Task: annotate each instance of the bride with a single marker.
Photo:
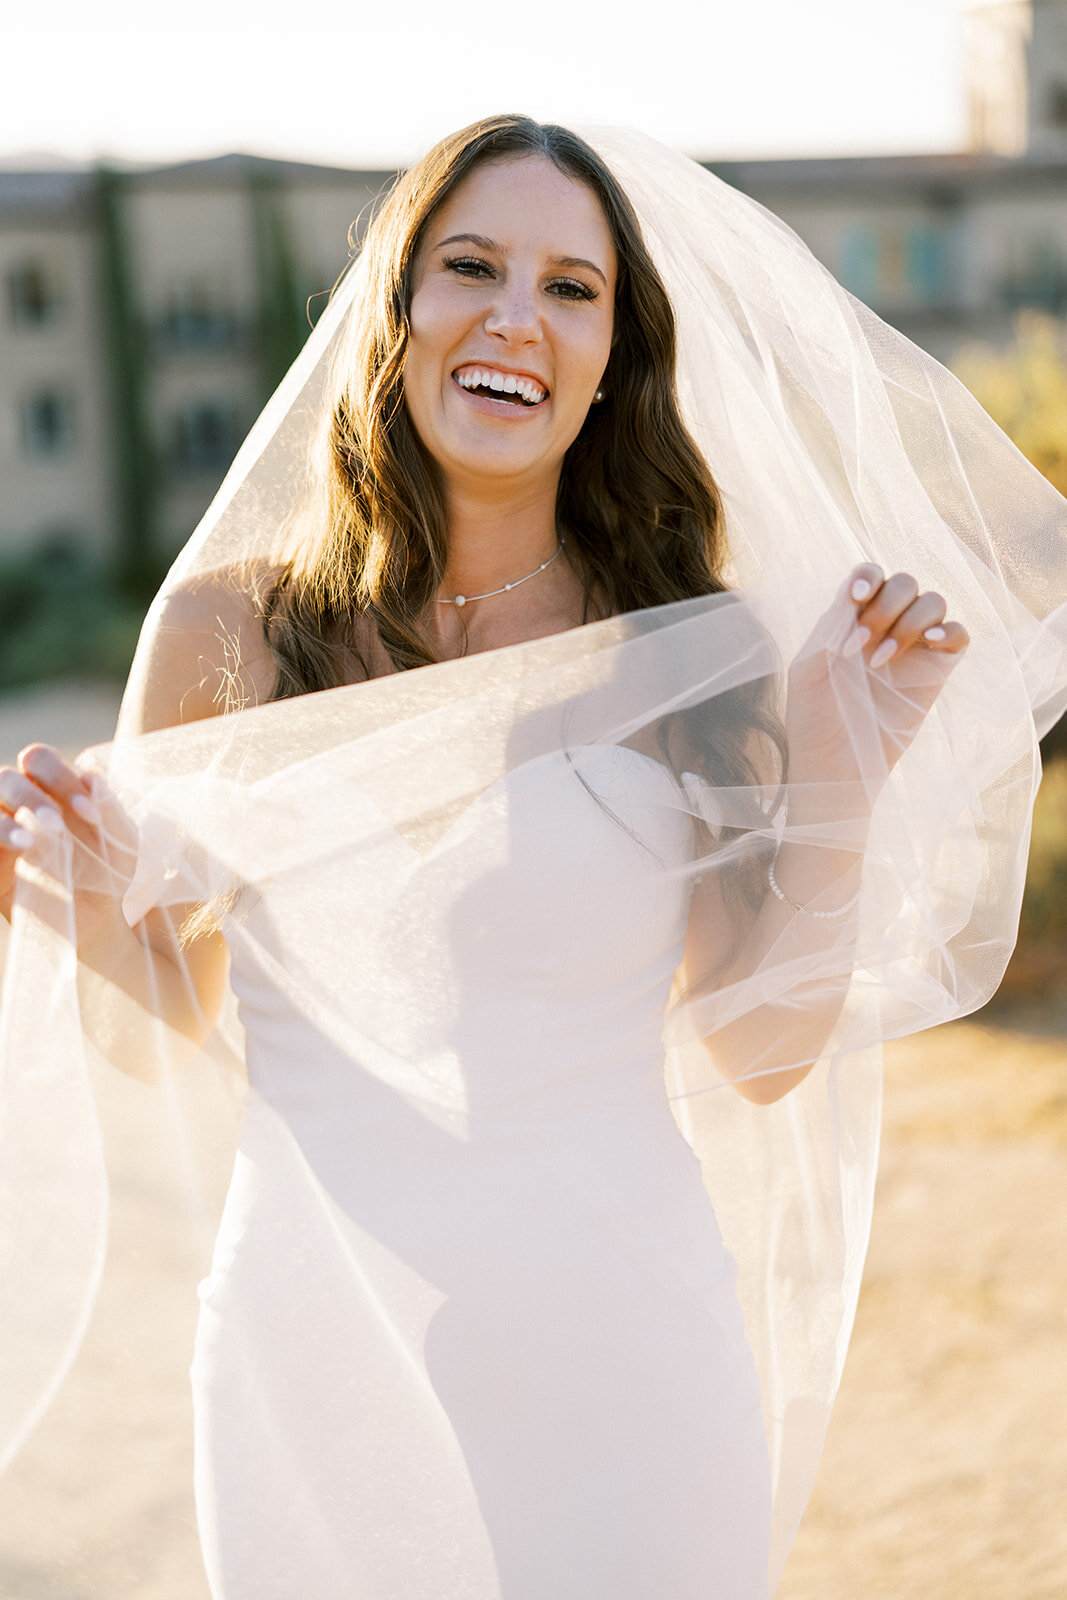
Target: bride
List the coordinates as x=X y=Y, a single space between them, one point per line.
x=477 y=781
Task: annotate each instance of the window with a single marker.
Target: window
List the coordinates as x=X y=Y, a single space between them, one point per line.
x=47 y=424
x=1037 y=275
x=926 y=264
x=195 y=318
x=859 y=268
x=204 y=437
x=32 y=294
x=896 y=266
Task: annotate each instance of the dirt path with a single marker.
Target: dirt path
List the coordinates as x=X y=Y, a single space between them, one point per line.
x=945 y=1472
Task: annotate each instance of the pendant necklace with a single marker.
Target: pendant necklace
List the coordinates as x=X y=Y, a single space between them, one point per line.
x=465 y=599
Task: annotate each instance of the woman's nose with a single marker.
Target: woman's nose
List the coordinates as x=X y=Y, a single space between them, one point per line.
x=514 y=314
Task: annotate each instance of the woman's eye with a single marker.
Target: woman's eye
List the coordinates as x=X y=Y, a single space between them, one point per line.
x=572 y=289
x=560 y=288
x=469 y=267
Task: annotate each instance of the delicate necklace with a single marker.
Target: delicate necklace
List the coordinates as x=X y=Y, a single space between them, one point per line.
x=465 y=599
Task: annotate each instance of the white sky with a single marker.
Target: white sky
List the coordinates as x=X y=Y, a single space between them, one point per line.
x=374 y=84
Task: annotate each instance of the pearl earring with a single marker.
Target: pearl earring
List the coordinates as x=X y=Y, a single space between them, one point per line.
x=598 y=396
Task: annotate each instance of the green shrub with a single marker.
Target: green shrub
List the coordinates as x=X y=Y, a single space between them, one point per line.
x=1024 y=388
x=63 y=615
x=1044 y=914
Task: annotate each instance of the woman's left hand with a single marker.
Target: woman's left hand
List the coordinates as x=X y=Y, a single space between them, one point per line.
x=909 y=647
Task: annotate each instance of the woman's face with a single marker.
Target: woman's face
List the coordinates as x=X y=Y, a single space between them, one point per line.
x=511 y=323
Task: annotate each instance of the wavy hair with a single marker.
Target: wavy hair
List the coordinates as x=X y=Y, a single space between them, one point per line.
x=640 y=510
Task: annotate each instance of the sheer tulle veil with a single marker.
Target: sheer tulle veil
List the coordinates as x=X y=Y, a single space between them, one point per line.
x=834 y=441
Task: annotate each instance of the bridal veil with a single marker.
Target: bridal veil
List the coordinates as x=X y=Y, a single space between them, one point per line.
x=834 y=441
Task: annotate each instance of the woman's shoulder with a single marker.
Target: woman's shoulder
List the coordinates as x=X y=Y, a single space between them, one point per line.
x=202 y=651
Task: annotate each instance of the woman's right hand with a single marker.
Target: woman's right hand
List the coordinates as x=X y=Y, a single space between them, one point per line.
x=41 y=790
x=146 y=965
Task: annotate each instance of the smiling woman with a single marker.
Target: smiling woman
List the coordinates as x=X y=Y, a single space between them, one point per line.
x=513 y=302
x=517 y=256
x=561 y=963
x=505 y=356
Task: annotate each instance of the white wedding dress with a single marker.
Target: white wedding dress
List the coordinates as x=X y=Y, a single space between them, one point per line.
x=474 y=1329
x=496 y=1352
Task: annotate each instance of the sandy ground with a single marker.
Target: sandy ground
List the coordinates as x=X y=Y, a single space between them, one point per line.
x=67 y=715
x=945 y=1472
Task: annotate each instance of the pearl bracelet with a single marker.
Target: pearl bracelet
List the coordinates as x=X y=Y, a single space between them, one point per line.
x=804 y=910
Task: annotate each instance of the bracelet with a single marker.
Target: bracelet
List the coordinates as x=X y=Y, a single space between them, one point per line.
x=804 y=910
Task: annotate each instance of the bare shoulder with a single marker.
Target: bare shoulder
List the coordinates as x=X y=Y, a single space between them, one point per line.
x=202 y=652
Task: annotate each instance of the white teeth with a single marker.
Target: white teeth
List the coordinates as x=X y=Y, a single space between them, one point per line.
x=501 y=383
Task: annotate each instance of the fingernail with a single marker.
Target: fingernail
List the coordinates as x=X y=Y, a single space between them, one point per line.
x=46 y=817
x=856 y=641
x=19 y=839
x=935 y=635
x=860 y=589
x=885 y=652
x=83 y=807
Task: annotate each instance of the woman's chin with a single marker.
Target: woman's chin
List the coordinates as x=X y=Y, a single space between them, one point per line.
x=498 y=462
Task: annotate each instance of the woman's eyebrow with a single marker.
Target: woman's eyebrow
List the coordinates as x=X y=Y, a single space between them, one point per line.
x=468 y=238
x=491 y=245
x=579 y=261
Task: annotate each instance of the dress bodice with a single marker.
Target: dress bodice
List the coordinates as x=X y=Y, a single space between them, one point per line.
x=527 y=951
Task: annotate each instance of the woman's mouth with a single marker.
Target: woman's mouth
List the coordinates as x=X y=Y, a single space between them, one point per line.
x=507 y=388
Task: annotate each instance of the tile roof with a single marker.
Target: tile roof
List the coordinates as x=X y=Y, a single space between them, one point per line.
x=65 y=191
x=56 y=193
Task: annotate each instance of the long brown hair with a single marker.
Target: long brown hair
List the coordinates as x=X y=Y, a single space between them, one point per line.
x=639 y=508
x=640 y=511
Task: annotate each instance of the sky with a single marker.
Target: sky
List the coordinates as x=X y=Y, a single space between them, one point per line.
x=361 y=84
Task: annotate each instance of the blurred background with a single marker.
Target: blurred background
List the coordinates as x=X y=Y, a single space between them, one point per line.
x=149 y=306
x=176 y=199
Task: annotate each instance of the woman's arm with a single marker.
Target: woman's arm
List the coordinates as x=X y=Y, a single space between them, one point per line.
x=772 y=1046
x=150 y=991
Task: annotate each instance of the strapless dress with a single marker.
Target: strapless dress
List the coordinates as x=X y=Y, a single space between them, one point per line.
x=471 y=1331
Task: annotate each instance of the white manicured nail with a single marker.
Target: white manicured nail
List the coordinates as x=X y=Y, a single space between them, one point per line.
x=856 y=641
x=860 y=589
x=19 y=839
x=46 y=817
x=935 y=635
x=885 y=652
x=83 y=807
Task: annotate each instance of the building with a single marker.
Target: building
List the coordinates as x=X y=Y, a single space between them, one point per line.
x=949 y=247
x=147 y=314
x=56 y=431
x=146 y=317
